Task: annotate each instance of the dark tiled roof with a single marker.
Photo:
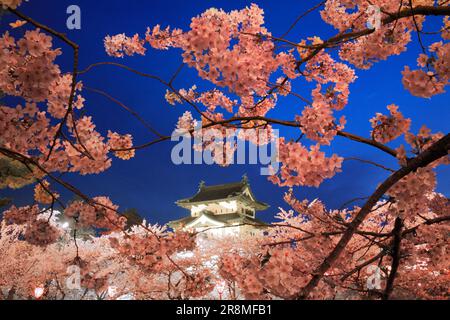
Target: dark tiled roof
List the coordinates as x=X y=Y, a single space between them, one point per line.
x=222 y=191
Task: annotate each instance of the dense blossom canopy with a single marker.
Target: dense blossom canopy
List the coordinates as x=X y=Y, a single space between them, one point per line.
x=312 y=251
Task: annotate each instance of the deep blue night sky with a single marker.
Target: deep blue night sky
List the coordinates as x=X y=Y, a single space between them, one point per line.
x=150 y=182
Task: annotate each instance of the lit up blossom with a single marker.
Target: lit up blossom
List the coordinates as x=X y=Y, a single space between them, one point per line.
x=28 y=70
x=41 y=233
x=27 y=66
x=18 y=24
x=317 y=121
x=13 y=4
x=231 y=268
x=186 y=122
x=120 y=45
x=335 y=13
x=411 y=193
x=190 y=94
x=95 y=144
x=246 y=63
x=271 y=272
x=387 y=128
x=211 y=99
x=172 y=98
x=236 y=53
x=283 y=89
x=214 y=98
x=300 y=166
x=423 y=140
x=331 y=93
x=57 y=101
x=43 y=194
x=151 y=251
x=324 y=69
x=163 y=38
x=305 y=209
x=117 y=141
x=440 y=205
x=102 y=214
x=38 y=230
x=225 y=49
x=381 y=43
x=421 y=83
x=24 y=128
x=198 y=285
x=446 y=29
x=21 y=215
x=436 y=76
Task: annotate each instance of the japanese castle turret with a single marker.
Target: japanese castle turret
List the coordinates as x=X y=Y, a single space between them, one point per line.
x=222 y=210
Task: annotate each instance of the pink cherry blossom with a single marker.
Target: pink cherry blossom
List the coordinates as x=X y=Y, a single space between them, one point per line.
x=387 y=128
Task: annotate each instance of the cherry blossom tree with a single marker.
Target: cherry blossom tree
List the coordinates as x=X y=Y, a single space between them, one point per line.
x=314 y=252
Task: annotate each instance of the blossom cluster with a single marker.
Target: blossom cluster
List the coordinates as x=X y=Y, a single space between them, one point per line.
x=446 y=29
x=163 y=39
x=423 y=140
x=151 y=251
x=198 y=285
x=97 y=160
x=186 y=122
x=117 y=141
x=436 y=76
x=274 y=272
x=324 y=69
x=43 y=194
x=28 y=70
x=388 y=128
x=172 y=98
x=380 y=43
x=101 y=214
x=317 y=121
x=120 y=45
x=13 y=4
x=300 y=166
x=27 y=66
x=232 y=50
x=411 y=193
x=38 y=230
x=215 y=98
x=21 y=215
x=24 y=128
x=41 y=233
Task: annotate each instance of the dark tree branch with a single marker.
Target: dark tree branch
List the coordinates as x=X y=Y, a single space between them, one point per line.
x=134 y=113
x=436 y=151
x=398 y=225
x=370 y=162
x=301 y=16
x=405 y=13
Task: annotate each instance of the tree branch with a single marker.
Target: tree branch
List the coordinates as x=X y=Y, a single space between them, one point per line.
x=438 y=150
x=395 y=257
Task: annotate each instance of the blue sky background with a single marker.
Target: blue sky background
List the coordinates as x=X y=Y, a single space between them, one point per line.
x=150 y=182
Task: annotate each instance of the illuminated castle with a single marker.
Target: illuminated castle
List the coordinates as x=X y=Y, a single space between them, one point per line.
x=222 y=210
